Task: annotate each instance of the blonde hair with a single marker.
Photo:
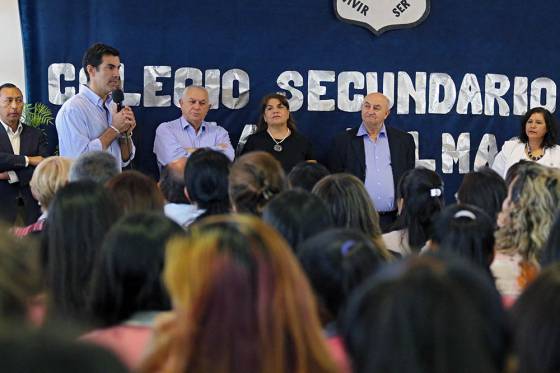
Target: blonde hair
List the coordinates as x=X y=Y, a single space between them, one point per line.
x=49 y=176
x=535 y=195
x=242 y=304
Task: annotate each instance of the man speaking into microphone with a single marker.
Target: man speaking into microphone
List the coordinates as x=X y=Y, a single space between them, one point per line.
x=93 y=119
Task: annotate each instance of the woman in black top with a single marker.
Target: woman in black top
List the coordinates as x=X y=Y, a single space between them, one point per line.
x=277 y=134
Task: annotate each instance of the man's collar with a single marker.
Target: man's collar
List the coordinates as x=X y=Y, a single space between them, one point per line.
x=362 y=130
x=9 y=129
x=94 y=97
x=185 y=123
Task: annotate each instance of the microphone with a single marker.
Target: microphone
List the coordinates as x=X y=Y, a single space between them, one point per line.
x=118 y=98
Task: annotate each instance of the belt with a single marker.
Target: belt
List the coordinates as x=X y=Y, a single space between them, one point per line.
x=387 y=213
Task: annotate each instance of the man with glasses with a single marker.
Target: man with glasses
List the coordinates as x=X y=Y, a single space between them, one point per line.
x=182 y=136
x=21 y=149
x=90 y=121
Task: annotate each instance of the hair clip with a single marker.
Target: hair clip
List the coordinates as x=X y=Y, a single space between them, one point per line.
x=346 y=246
x=464 y=214
x=435 y=192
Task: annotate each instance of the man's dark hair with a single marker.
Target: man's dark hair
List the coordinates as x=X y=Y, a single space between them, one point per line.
x=8 y=85
x=94 y=55
x=172 y=185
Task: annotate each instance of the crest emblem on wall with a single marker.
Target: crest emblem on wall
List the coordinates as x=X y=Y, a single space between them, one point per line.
x=382 y=15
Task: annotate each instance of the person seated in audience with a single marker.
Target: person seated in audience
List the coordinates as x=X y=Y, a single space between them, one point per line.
x=535 y=324
x=241 y=303
x=336 y=262
x=485 y=189
x=419 y=199
x=524 y=225
x=127 y=291
x=206 y=182
x=172 y=186
x=21 y=284
x=297 y=215
x=350 y=205
x=254 y=179
x=277 y=134
x=425 y=315
x=79 y=217
x=305 y=175
x=49 y=176
x=47 y=352
x=97 y=166
x=536 y=142
x=136 y=192
x=466 y=231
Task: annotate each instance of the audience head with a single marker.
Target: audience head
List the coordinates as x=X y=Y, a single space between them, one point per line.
x=237 y=290
x=536 y=324
x=336 y=262
x=305 y=175
x=529 y=210
x=297 y=215
x=79 y=217
x=128 y=277
x=485 y=189
x=136 y=192
x=420 y=316
x=515 y=169
x=255 y=178
x=420 y=197
x=48 y=177
x=466 y=231
x=349 y=203
x=20 y=278
x=206 y=181
x=551 y=250
x=272 y=100
x=172 y=181
x=96 y=166
x=540 y=114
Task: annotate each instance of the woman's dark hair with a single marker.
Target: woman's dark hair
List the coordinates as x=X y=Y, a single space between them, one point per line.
x=516 y=169
x=128 y=277
x=297 y=215
x=421 y=191
x=136 y=192
x=79 y=217
x=305 y=175
x=420 y=317
x=551 y=249
x=536 y=324
x=336 y=262
x=551 y=127
x=261 y=124
x=466 y=231
x=206 y=181
x=485 y=189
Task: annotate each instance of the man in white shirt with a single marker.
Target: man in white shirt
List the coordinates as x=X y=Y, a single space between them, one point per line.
x=21 y=149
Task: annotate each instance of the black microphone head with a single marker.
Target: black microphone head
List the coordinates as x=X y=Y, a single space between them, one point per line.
x=118 y=96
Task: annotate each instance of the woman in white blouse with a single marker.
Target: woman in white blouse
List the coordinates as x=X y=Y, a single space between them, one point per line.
x=536 y=142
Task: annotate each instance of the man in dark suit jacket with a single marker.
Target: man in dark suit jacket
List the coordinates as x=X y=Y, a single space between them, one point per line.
x=21 y=149
x=376 y=154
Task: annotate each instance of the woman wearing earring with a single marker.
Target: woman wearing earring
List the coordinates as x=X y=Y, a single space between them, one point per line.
x=277 y=134
x=536 y=142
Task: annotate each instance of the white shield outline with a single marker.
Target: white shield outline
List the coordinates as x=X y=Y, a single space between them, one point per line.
x=386 y=28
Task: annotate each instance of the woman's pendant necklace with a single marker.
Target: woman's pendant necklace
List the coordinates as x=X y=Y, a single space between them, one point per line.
x=277 y=147
x=530 y=154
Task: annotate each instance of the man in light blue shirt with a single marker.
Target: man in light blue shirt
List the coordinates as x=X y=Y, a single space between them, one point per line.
x=182 y=136
x=89 y=121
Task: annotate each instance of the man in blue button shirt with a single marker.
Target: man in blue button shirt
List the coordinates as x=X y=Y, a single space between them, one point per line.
x=90 y=121
x=377 y=154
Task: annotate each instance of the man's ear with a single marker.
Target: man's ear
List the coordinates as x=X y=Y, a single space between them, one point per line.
x=91 y=70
